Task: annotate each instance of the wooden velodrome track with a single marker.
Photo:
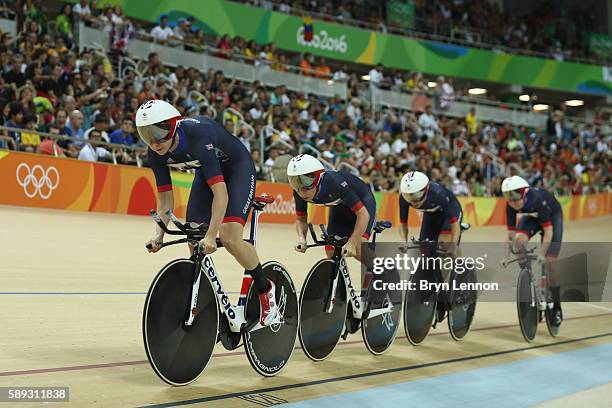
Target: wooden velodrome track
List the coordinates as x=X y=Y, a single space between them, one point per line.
x=72 y=288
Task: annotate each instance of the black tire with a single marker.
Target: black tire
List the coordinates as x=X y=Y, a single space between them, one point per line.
x=270 y=348
x=319 y=331
x=553 y=330
x=526 y=306
x=179 y=354
x=379 y=332
x=462 y=305
x=419 y=308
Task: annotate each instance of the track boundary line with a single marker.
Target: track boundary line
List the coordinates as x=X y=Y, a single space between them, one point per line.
x=372 y=373
x=235 y=353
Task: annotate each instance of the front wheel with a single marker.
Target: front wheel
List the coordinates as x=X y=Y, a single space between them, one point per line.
x=178 y=353
x=379 y=331
x=462 y=304
x=320 y=331
x=526 y=306
x=270 y=348
x=419 y=306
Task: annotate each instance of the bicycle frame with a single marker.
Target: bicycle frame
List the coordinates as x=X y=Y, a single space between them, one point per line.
x=357 y=302
x=236 y=315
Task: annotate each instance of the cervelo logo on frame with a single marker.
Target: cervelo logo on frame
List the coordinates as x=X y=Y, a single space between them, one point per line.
x=323 y=41
x=37 y=181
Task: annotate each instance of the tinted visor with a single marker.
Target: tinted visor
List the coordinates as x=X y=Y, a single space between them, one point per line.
x=414 y=197
x=157 y=132
x=513 y=195
x=304 y=181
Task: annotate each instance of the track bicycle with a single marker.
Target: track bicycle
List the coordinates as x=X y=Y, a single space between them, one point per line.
x=421 y=304
x=325 y=313
x=533 y=296
x=187 y=311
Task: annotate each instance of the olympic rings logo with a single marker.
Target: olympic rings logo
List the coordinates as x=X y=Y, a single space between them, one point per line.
x=37 y=181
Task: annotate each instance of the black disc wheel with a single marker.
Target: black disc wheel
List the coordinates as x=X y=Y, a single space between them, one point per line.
x=270 y=348
x=379 y=331
x=526 y=306
x=419 y=306
x=462 y=304
x=319 y=330
x=179 y=353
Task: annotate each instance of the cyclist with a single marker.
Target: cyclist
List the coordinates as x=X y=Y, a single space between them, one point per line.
x=542 y=213
x=222 y=190
x=441 y=219
x=353 y=207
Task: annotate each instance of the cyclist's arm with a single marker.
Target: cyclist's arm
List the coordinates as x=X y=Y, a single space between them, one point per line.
x=455 y=231
x=404 y=210
x=546 y=239
x=301 y=225
x=165 y=198
x=361 y=223
x=511 y=227
x=165 y=203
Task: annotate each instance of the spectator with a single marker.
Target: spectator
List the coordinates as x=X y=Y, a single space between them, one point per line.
x=162 y=33
x=15 y=121
x=16 y=73
x=63 y=23
x=305 y=64
x=471 y=121
x=101 y=126
x=92 y=153
x=29 y=140
x=322 y=71
x=376 y=75
x=125 y=134
x=82 y=10
x=181 y=31
x=428 y=122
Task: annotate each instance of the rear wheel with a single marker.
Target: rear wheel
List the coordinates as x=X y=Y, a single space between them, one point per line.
x=319 y=331
x=419 y=307
x=379 y=331
x=178 y=353
x=270 y=348
x=526 y=306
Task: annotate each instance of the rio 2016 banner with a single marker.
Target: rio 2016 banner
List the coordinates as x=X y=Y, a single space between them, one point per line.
x=367 y=47
x=47 y=182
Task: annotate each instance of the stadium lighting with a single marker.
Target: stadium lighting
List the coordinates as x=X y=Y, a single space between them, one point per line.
x=524 y=98
x=477 y=91
x=540 y=107
x=365 y=77
x=330 y=82
x=574 y=102
x=431 y=84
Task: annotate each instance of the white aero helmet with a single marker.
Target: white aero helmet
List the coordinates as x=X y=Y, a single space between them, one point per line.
x=156 y=121
x=514 y=188
x=413 y=186
x=304 y=172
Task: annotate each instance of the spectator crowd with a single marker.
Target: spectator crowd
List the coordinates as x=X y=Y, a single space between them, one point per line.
x=47 y=85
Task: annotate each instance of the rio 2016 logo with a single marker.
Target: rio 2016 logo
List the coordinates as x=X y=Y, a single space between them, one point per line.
x=37 y=181
x=323 y=41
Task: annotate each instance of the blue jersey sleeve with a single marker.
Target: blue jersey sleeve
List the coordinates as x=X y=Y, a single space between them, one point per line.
x=404 y=210
x=160 y=171
x=510 y=218
x=301 y=206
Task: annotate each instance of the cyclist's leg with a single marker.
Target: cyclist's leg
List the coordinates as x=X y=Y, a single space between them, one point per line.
x=341 y=223
x=200 y=200
x=552 y=253
x=431 y=227
x=241 y=191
